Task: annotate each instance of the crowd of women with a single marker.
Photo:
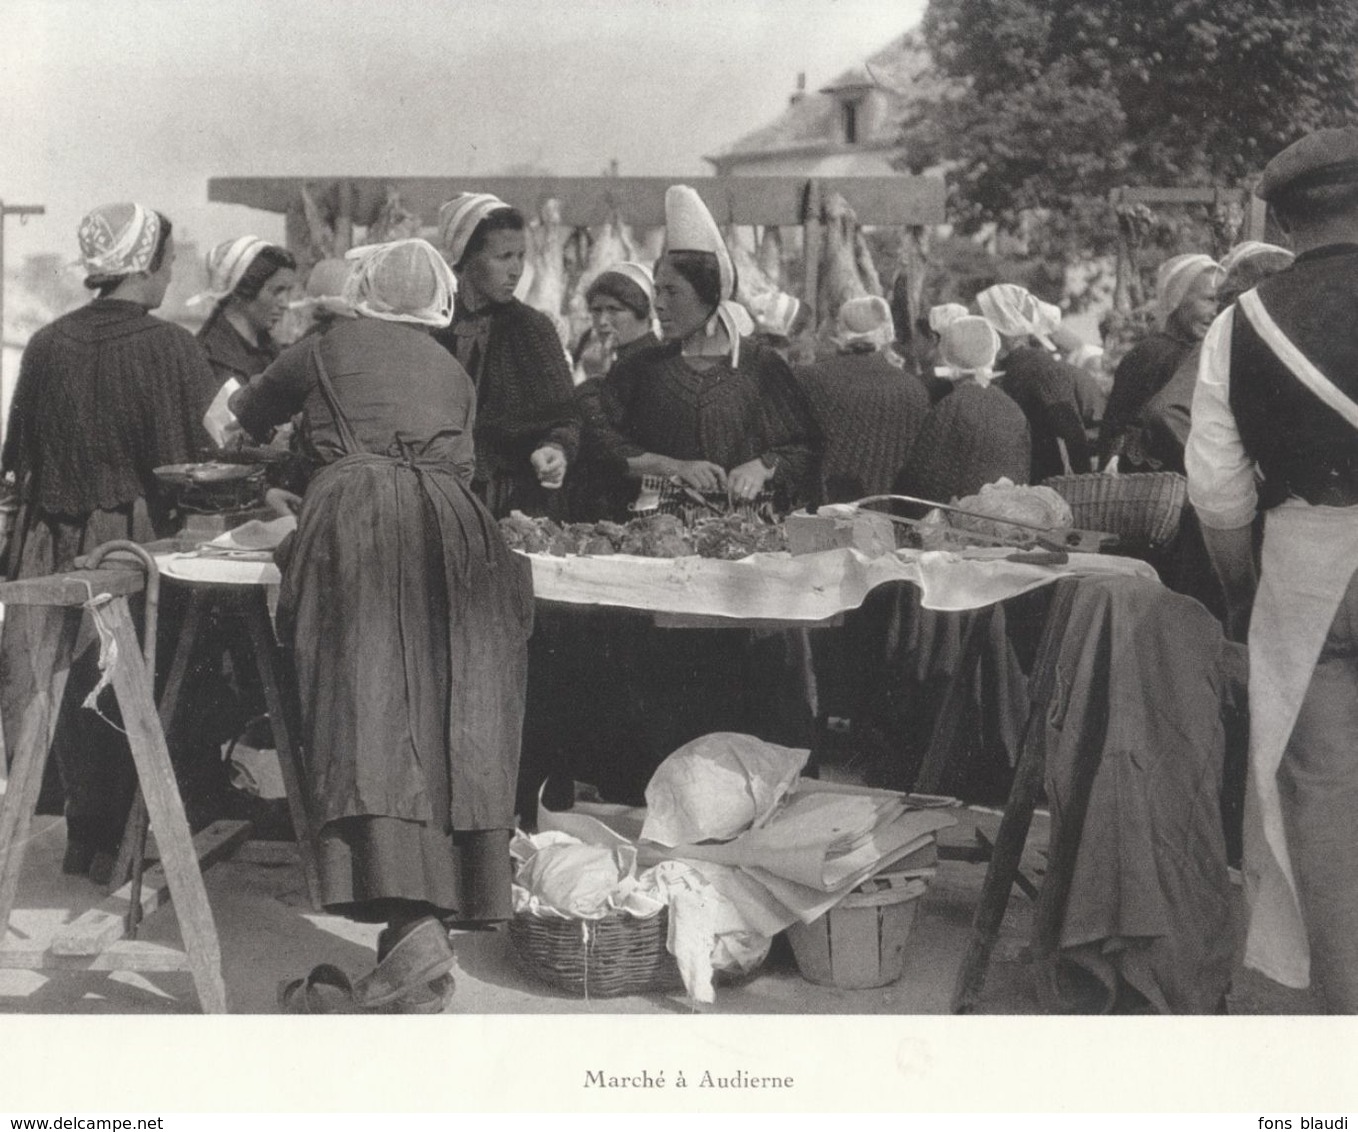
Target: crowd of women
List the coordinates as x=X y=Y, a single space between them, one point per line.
x=425 y=403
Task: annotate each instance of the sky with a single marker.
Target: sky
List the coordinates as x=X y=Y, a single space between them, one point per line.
x=103 y=100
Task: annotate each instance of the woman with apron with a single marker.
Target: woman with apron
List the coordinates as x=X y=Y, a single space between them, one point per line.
x=409 y=620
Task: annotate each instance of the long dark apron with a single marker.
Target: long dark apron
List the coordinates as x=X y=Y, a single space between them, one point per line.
x=409 y=620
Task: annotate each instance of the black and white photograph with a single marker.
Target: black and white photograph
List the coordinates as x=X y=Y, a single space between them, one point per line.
x=822 y=530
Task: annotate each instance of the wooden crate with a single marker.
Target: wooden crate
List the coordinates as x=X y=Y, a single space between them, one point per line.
x=861 y=941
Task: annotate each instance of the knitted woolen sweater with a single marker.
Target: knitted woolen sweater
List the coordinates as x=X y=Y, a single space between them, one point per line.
x=1142 y=373
x=869 y=412
x=106 y=394
x=970 y=438
x=524 y=393
x=656 y=402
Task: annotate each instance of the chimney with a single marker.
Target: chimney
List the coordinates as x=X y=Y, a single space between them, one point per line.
x=800 y=92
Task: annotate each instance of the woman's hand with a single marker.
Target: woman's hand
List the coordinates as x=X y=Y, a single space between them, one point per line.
x=701 y=474
x=748 y=480
x=282 y=502
x=549 y=463
x=233 y=436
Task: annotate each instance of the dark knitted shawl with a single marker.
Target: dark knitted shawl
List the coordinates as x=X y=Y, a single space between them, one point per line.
x=524 y=393
x=655 y=402
x=1044 y=388
x=1156 y=439
x=232 y=355
x=970 y=438
x=105 y=394
x=869 y=412
x=1143 y=372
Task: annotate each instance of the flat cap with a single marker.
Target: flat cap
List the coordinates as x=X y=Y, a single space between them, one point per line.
x=1326 y=157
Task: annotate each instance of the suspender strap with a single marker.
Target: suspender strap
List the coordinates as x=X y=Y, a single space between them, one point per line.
x=1298 y=364
x=348 y=438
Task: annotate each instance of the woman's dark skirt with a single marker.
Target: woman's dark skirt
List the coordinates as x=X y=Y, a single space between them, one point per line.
x=409 y=621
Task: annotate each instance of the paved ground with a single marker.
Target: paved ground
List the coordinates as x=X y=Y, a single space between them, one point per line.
x=269 y=934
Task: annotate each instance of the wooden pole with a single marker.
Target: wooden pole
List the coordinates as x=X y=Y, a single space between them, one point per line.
x=811 y=252
x=1256 y=219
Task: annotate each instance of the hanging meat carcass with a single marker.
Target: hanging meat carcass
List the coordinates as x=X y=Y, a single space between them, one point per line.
x=839 y=279
x=543 y=285
x=310 y=234
x=650 y=247
x=393 y=221
x=752 y=285
x=867 y=270
x=770 y=256
x=846 y=261
x=313 y=230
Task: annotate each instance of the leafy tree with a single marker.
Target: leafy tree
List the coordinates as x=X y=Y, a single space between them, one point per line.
x=1053 y=103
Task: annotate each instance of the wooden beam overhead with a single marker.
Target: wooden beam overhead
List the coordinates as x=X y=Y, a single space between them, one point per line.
x=590 y=201
x=1150 y=195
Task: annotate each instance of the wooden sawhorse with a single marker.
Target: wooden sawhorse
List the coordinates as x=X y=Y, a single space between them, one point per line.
x=47 y=638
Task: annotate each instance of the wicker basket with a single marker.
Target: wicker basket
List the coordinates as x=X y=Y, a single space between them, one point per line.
x=617 y=955
x=1143 y=508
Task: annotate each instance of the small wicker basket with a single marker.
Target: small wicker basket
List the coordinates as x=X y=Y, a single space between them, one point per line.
x=617 y=955
x=1143 y=508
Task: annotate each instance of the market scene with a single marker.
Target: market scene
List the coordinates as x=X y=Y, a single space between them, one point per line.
x=888 y=551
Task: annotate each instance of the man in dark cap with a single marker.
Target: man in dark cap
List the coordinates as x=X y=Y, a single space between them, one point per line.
x=1275 y=430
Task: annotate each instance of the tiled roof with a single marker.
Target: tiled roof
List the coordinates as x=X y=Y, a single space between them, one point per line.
x=898 y=70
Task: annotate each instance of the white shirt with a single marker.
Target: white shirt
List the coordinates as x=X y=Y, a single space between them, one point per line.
x=1308 y=557
x=1222 y=478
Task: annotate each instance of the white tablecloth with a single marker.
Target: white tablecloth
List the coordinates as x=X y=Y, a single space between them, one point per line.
x=808 y=587
x=189 y=567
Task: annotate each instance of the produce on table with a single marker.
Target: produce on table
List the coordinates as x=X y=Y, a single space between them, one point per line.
x=727 y=537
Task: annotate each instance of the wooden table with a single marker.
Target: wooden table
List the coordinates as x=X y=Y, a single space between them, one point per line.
x=244 y=592
x=1003 y=854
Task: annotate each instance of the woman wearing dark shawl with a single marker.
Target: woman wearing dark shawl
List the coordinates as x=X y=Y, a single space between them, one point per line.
x=249 y=286
x=723 y=415
x=715 y=410
x=976 y=433
x=1042 y=385
x=106 y=394
x=867 y=406
x=1186 y=288
x=407 y=614
x=527 y=426
x=621 y=310
x=1156 y=438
